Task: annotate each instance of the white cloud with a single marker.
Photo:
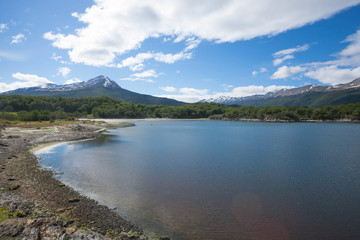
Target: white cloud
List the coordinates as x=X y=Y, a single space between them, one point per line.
x=344 y=69
x=168 y=89
x=136 y=63
x=354 y=47
x=3 y=27
x=195 y=95
x=192 y=43
x=193 y=91
x=18 y=38
x=146 y=74
x=287 y=54
x=279 y=61
x=285 y=72
x=135 y=79
x=291 y=50
x=262 y=70
x=334 y=75
x=27 y=80
x=31 y=78
x=172 y=58
x=114 y=27
x=72 y=81
x=63 y=71
x=55 y=57
x=227 y=86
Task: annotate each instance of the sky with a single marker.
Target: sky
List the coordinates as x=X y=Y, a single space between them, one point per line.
x=183 y=49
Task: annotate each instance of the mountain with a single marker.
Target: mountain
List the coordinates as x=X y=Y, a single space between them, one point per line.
x=97 y=87
x=310 y=95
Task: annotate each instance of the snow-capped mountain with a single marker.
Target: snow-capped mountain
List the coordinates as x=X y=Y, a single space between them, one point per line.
x=97 y=87
x=100 y=81
x=285 y=93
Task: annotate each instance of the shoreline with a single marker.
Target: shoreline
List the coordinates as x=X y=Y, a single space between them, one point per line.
x=34 y=204
x=115 y=120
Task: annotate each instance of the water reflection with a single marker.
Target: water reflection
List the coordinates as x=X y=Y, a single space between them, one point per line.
x=224 y=180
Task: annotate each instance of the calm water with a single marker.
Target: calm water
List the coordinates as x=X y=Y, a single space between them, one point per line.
x=223 y=180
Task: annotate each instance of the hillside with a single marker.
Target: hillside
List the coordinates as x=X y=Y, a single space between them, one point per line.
x=310 y=95
x=312 y=99
x=100 y=86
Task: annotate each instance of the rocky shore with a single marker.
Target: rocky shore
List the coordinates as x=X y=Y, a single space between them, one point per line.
x=34 y=205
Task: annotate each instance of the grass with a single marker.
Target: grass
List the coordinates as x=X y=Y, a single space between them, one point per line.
x=5 y=214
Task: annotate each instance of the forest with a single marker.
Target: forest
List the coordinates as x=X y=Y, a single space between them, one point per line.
x=27 y=108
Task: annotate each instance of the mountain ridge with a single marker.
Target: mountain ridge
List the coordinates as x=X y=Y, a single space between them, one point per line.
x=298 y=96
x=99 y=86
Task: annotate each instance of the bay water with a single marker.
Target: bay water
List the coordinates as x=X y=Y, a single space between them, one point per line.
x=222 y=180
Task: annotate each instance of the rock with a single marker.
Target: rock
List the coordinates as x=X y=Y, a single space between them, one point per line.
x=16 y=230
x=164 y=238
x=68 y=223
x=20 y=214
x=14 y=187
x=70 y=230
x=11 y=179
x=74 y=200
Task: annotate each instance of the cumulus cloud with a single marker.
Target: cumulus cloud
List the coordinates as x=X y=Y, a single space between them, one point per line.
x=18 y=38
x=195 y=95
x=354 y=46
x=3 y=27
x=168 y=89
x=350 y=56
x=27 y=80
x=72 y=81
x=63 y=71
x=113 y=27
x=136 y=79
x=334 y=75
x=285 y=72
x=143 y=76
x=193 y=91
x=146 y=74
x=31 y=78
x=342 y=70
x=137 y=63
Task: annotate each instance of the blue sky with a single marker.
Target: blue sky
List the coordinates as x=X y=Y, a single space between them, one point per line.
x=188 y=50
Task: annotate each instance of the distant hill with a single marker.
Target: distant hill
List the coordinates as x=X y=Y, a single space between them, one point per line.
x=311 y=96
x=97 y=87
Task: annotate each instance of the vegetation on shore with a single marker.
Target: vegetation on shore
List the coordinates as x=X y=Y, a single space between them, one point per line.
x=27 y=108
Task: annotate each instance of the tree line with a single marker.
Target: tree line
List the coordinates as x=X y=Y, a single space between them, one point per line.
x=28 y=108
